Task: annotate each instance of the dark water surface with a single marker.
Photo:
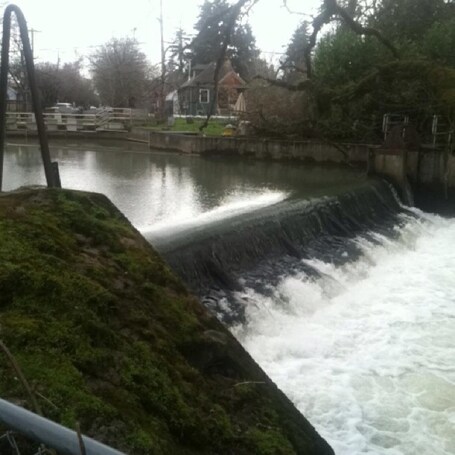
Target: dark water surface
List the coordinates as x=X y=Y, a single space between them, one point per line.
x=159 y=190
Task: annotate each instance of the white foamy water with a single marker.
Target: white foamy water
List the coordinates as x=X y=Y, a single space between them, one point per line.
x=235 y=203
x=367 y=352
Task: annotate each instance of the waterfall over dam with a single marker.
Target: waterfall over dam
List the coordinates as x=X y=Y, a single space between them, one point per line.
x=255 y=249
x=347 y=303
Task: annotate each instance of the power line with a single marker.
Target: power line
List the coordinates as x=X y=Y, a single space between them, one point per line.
x=77 y=48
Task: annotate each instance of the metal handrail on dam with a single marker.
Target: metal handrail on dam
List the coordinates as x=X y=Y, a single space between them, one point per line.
x=49 y=433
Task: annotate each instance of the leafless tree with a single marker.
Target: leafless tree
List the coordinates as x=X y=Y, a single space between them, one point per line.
x=120 y=72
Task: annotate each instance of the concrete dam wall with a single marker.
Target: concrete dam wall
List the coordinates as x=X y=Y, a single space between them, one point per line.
x=255 y=249
x=257 y=148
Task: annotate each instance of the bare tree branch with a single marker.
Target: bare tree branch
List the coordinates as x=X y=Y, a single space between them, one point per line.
x=290 y=11
x=313 y=130
x=301 y=86
x=318 y=22
x=361 y=30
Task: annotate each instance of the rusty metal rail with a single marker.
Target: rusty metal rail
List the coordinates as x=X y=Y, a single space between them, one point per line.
x=51 y=178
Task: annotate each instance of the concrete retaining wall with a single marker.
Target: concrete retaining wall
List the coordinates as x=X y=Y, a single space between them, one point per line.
x=426 y=177
x=423 y=167
x=425 y=172
x=436 y=166
x=253 y=147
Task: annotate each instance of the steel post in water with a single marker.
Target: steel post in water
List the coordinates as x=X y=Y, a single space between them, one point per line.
x=44 y=145
x=41 y=430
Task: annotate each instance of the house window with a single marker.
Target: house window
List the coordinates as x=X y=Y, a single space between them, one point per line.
x=204 y=95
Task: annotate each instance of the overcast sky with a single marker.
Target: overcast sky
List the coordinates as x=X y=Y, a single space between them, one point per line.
x=69 y=29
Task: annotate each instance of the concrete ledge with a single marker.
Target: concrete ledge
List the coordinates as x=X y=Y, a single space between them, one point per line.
x=70 y=134
x=274 y=149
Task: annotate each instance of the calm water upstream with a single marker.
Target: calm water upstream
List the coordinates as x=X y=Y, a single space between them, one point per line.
x=159 y=191
x=366 y=350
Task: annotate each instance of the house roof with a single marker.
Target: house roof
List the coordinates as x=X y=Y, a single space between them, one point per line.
x=207 y=76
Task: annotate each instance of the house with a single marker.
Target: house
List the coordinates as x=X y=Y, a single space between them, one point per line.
x=156 y=90
x=196 y=95
x=15 y=101
x=172 y=104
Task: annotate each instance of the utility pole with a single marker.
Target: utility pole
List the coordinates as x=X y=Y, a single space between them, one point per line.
x=32 y=34
x=163 y=64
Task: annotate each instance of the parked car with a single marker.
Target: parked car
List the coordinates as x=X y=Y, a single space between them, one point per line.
x=91 y=110
x=64 y=108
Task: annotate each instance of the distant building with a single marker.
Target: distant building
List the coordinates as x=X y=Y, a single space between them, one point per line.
x=15 y=101
x=156 y=90
x=196 y=95
x=172 y=104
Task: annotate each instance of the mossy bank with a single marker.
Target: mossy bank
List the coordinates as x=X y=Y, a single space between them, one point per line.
x=109 y=337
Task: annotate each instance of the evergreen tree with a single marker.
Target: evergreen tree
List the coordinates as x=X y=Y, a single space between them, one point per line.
x=180 y=53
x=211 y=27
x=377 y=57
x=409 y=19
x=367 y=82
x=293 y=64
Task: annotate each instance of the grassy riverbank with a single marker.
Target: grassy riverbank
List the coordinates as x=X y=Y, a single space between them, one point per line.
x=108 y=336
x=214 y=127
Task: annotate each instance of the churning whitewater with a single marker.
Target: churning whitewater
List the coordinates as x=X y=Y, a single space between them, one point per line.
x=367 y=349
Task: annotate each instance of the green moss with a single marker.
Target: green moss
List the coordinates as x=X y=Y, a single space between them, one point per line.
x=109 y=337
x=269 y=442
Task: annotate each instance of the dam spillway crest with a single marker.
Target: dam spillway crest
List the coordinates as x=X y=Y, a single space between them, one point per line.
x=255 y=250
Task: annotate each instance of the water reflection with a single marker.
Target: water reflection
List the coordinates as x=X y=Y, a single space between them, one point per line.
x=159 y=189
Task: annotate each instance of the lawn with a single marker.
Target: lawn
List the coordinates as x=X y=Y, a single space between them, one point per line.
x=214 y=128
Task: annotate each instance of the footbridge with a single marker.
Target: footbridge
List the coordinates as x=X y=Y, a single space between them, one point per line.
x=99 y=120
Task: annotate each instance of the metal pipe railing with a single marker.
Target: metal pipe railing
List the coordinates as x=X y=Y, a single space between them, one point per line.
x=49 y=433
x=44 y=145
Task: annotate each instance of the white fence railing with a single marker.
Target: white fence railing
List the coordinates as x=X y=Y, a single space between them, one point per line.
x=112 y=119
